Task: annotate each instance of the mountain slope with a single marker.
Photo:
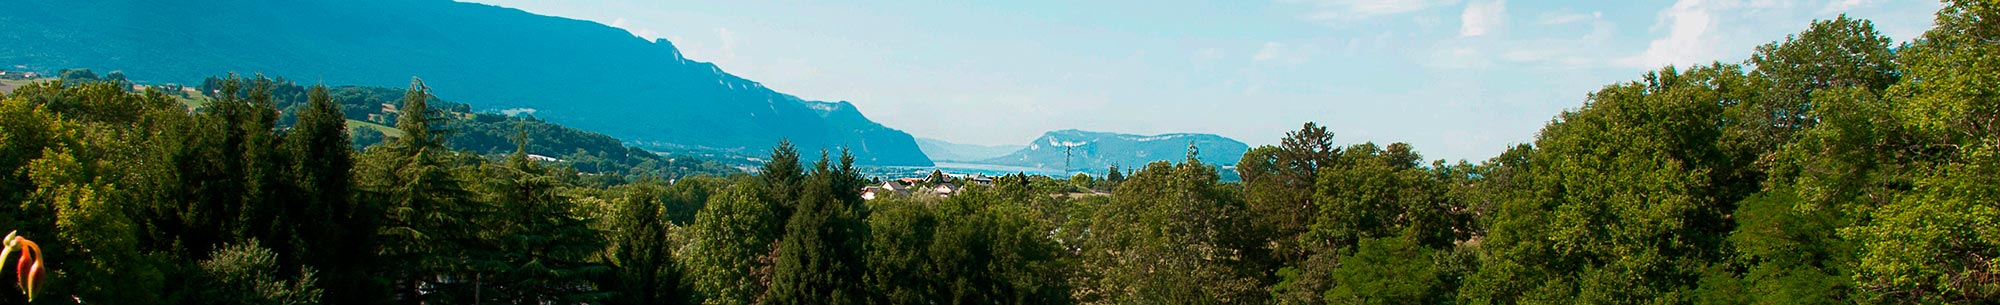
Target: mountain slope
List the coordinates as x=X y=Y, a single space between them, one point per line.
x=572 y=72
x=940 y=150
x=1095 y=151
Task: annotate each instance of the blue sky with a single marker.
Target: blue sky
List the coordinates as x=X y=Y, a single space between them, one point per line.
x=1459 y=79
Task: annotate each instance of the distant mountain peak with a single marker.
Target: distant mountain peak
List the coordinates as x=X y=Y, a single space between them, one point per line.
x=946 y=151
x=1093 y=151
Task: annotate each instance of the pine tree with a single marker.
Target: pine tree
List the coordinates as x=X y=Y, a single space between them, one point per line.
x=819 y=260
x=427 y=212
x=265 y=204
x=782 y=175
x=648 y=270
x=543 y=250
x=329 y=224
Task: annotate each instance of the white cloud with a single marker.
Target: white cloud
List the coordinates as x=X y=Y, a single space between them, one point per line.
x=1482 y=17
x=1564 y=16
x=728 y=39
x=1349 y=10
x=1688 y=40
x=1591 y=49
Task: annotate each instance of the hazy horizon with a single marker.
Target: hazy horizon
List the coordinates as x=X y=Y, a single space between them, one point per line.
x=1457 y=79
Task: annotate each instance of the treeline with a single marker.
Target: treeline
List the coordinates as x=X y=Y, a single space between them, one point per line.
x=1830 y=167
x=481 y=132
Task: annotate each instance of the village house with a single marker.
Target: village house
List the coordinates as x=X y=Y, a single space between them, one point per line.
x=944 y=189
x=895 y=186
x=980 y=179
x=868 y=193
x=887 y=187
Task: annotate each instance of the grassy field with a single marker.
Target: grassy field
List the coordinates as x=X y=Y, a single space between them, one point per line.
x=197 y=102
x=385 y=129
x=8 y=85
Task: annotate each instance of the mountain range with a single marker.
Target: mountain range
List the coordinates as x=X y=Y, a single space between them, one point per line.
x=577 y=73
x=945 y=151
x=1089 y=151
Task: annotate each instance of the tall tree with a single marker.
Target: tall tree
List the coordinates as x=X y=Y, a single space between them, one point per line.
x=1621 y=204
x=426 y=209
x=1786 y=249
x=1278 y=183
x=783 y=176
x=1935 y=242
x=544 y=250
x=819 y=260
x=1170 y=235
x=724 y=243
x=648 y=270
x=329 y=224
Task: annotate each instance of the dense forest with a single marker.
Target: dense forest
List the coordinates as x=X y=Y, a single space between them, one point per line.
x=1830 y=167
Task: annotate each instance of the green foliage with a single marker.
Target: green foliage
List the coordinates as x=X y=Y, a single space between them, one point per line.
x=1621 y=202
x=247 y=274
x=542 y=249
x=1388 y=270
x=1937 y=243
x=644 y=239
x=427 y=213
x=819 y=259
x=1792 y=255
x=725 y=245
x=1377 y=194
x=1836 y=170
x=1171 y=234
x=979 y=246
x=76 y=75
x=329 y=222
x=1279 y=182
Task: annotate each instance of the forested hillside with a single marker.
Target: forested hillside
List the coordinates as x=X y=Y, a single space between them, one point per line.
x=1830 y=168
x=576 y=73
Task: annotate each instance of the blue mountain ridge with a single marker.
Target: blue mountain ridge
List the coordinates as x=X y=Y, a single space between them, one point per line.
x=572 y=72
x=943 y=151
x=1091 y=151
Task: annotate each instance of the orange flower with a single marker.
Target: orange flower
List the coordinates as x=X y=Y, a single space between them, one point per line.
x=28 y=269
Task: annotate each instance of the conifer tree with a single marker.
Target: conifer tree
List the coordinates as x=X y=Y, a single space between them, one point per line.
x=543 y=250
x=329 y=224
x=426 y=209
x=819 y=260
x=649 y=272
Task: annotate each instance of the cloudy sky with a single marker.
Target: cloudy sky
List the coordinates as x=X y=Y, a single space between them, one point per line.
x=1459 y=79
